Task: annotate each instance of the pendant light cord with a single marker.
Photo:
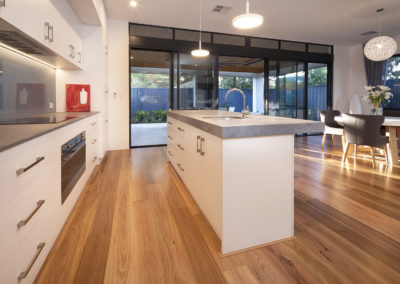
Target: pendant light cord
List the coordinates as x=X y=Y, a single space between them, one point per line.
x=379 y=11
x=200 y=27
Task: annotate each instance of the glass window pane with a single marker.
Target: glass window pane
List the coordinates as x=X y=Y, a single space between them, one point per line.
x=317 y=89
x=294 y=46
x=246 y=74
x=229 y=39
x=192 y=36
x=264 y=43
x=393 y=82
x=150 y=92
x=317 y=48
x=149 y=31
x=196 y=79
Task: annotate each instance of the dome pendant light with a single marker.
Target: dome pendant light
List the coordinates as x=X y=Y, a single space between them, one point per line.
x=247 y=21
x=381 y=47
x=200 y=52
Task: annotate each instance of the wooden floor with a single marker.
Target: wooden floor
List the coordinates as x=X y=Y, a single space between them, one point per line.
x=136 y=223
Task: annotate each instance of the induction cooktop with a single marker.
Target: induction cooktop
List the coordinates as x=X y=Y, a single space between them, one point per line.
x=37 y=120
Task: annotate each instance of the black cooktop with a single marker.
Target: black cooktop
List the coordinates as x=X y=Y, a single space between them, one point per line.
x=37 y=120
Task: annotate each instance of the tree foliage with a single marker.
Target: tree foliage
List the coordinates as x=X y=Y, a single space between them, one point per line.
x=143 y=80
x=394 y=68
x=229 y=82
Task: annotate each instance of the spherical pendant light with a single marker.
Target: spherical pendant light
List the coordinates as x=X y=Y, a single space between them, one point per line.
x=247 y=20
x=380 y=48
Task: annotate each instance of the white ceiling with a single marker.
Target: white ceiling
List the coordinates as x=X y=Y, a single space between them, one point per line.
x=320 y=21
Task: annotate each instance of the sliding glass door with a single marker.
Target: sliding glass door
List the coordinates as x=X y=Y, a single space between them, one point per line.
x=149 y=98
x=195 y=82
x=286 y=89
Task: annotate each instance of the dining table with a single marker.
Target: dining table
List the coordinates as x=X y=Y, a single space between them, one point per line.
x=392 y=129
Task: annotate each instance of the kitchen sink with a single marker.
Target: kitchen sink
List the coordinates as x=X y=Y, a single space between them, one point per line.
x=224 y=117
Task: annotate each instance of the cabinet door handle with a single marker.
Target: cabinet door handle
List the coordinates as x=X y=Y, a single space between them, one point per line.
x=25 y=273
x=181 y=130
x=24 y=222
x=94 y=159
x=170 y=123
x=202 y=146
x=197 y=144
x=23 y=170
x=182 y=169
x=51 y=33
x=80 y=57
x=94 y=141
x=73 y=52
x=180 y=147
x=70 y=51
x=94 y=123
x=169 y=153
x=105 y=121
x=170 y=137
x=46 y=30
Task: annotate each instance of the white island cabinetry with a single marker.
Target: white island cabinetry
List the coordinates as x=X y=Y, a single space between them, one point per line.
x=240 y=172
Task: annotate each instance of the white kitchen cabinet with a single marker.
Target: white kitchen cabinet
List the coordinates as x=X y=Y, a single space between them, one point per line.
x=22 y=196
x=43 y=22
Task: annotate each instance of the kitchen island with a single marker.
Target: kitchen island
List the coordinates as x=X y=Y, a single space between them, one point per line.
x=240 y=172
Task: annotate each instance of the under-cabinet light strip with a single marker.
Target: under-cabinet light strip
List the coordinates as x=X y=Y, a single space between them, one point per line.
x=11 y=49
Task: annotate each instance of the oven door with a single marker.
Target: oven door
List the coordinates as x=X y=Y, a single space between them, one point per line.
x=73 y=166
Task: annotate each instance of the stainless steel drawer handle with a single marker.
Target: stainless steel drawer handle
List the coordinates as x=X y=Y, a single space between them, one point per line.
x=25 y=273
x=180 y=129
x=24 y=222
x=170 y=137
x=51 y=33
x=170 y=123
x=46 y=30
x=169 y=153
x=94 y=123
x=94 y=141
x=180 y=147
x=94 y=159
x=202 y=146
x=197 y=144
x=182 y=169
x=105 y=121
x=23 y=170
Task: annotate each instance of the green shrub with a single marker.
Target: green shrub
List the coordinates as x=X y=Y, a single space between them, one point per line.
x=145 y=117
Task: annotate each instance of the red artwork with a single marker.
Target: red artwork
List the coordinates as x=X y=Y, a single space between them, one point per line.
x=78 y=97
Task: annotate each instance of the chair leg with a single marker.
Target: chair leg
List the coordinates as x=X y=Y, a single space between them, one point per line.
x=323 y=140
x=333 y=139
x=373 y=157
x=343 y=142
x=386 y=148
x=346 y=150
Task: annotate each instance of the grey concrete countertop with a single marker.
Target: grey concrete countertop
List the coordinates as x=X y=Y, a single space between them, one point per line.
x=251 y=126
x=13 y=135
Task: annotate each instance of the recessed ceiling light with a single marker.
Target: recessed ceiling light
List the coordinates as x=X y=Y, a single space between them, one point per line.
x=133 y=3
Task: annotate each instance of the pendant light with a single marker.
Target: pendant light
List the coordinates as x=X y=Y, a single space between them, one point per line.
x=247 y=21
x=381 y=47
x=200 y=52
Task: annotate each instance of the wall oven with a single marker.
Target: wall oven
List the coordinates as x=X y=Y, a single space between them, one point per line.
x=73 y=163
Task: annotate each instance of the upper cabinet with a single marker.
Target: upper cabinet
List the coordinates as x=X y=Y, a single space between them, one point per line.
x=48 y=23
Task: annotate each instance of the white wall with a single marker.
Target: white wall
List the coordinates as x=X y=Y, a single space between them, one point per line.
x=118 y=84
x=341 y=78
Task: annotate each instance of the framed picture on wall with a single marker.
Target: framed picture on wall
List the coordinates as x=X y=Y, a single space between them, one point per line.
x=77 y=97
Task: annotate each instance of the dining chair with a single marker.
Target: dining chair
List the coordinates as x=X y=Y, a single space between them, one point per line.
x=364 y=130
x=331 y=126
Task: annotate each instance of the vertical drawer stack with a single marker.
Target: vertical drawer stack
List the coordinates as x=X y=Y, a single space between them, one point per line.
x=30 y=175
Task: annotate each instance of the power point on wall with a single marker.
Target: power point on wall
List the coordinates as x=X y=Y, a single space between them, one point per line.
x=51 y=105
